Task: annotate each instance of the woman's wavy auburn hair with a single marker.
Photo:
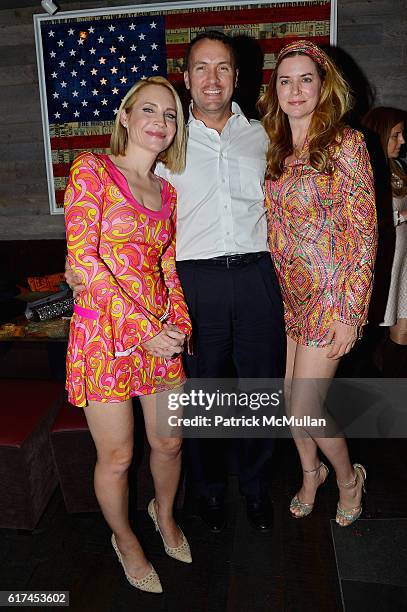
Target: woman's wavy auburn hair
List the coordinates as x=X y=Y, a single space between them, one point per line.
x=382 y=120
x=174 y=156
x=326 y=127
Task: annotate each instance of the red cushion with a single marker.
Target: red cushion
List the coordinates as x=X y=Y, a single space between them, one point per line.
x=69 y=418
x=23 y=404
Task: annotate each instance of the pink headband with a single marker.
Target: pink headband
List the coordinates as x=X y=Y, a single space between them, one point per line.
x=306 y=47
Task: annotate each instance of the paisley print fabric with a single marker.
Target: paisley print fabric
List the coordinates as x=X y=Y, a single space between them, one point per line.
x=323 y=238
x=125 y=256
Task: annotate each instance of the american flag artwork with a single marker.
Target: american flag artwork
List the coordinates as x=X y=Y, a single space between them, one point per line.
x=88 y=60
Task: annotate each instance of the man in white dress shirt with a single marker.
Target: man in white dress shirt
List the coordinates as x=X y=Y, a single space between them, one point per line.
x=225 y=267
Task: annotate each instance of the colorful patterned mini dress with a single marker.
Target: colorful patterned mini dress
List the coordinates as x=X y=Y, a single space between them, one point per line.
x=125 y=256
x=323 y=238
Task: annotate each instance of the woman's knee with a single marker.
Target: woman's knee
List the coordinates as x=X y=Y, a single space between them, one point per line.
x=117 y=460
x=166 y=446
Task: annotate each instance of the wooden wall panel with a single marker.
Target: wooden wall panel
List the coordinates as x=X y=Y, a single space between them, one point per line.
x=372 y=32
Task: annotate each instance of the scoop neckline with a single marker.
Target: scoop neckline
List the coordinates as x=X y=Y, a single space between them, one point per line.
x=123 y=185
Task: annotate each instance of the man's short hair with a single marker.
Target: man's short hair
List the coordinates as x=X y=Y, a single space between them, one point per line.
x=211 y=35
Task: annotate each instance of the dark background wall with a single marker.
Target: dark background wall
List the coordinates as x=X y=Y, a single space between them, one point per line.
x=372 y=34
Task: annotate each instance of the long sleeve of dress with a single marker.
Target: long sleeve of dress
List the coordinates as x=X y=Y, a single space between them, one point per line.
x=178 y=309
x=130 y=323
x=353 y=180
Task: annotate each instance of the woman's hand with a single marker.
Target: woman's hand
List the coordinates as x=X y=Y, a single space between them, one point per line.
x=343 y=337
x=169 y=342
x=73 y=280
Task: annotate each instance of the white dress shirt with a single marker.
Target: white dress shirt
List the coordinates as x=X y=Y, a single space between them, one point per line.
x=220 y=207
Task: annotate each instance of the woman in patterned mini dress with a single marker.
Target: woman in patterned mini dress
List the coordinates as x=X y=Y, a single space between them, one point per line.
x=322 y=236
x=130 y=322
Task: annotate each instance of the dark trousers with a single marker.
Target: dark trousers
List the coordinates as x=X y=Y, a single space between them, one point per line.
x=238 y=326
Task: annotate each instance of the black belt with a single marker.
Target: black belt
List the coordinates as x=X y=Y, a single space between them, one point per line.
x=229 y=261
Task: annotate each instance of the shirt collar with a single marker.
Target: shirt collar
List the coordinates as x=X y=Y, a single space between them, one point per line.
x=236 y=110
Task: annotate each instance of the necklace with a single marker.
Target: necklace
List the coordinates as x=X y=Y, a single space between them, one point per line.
x=298 y=150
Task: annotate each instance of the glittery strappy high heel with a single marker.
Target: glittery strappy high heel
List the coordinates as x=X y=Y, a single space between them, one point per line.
x=296 y=504
x=353 y=514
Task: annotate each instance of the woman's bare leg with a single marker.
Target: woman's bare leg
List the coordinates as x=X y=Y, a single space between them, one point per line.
x=312 y=363
x=111 y=427
x=165 y=463
x=306 y=446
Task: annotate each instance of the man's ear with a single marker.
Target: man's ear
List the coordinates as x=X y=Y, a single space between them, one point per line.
x=237 y=76
x=186 y=79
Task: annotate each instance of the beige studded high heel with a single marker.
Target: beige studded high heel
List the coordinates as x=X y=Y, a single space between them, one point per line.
x=150 y=583
x=181 y=552
x=303 y=508
x=353 y=514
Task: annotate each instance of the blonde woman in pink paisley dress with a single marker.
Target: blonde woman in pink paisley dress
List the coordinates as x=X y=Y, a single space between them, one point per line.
x=130 y=323
x=322 y=237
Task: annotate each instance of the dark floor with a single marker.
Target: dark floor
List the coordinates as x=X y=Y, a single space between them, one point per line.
x=293 y=568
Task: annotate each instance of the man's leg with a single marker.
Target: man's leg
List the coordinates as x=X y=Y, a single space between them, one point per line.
x=259 y=352
x=208 y=293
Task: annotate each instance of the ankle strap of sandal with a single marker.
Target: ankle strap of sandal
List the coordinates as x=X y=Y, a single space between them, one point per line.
x=351 y=484
x=315 y=469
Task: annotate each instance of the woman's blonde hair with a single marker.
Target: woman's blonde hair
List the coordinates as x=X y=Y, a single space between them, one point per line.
x=326 y=127
x=173 y=157
x=382 y=120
